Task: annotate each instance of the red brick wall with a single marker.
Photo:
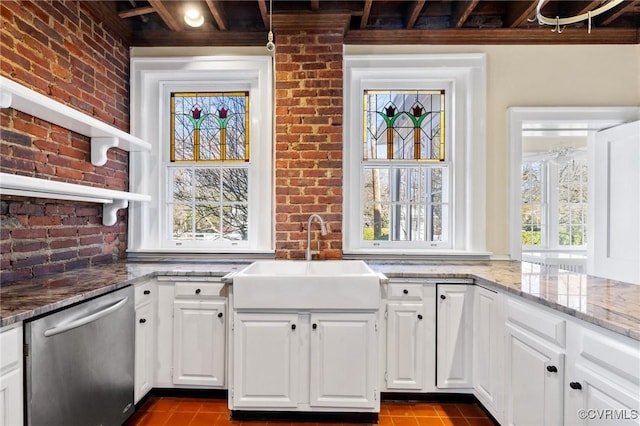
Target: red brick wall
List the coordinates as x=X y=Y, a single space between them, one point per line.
x=59 y=49
x=308 y=139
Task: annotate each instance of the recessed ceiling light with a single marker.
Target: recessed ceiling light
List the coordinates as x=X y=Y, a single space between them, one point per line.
x=193 y=17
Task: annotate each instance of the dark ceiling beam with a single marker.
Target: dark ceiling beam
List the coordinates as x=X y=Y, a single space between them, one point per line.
x=218 y=14
x=618 y=12
x=462 y=11
x=587 y=7
x=365 y=14
x=198 y=38
x=494 y=36
x=264 y=13
x=414 y=13
x=166 y=16
x=138 y=11
x=519 y=12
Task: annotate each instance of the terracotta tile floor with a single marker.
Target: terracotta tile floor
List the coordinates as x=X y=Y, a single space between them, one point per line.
x=168 y=411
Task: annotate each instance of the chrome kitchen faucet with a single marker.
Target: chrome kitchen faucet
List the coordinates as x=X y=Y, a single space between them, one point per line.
x=323 y=231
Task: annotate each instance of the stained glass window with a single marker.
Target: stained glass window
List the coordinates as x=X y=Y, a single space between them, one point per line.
x=404 y=125
x=209 y=168
x=210 y=126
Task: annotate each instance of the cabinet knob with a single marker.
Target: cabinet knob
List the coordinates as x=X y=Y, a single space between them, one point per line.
x=314 y=326
x=147 y=292
x=552 y=369
x=442 y=296
x=142 y=320
x=197 y=291
x=419 y=316
x=405 y=291
x=293 y=326
x=575 y=385
x=219 y=314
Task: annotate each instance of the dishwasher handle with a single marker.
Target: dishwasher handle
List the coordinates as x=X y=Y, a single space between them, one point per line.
x=86 y=320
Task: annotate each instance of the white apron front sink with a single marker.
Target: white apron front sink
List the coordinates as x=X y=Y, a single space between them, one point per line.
x=296 y=284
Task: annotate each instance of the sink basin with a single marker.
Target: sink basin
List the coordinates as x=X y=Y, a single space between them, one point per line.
x=297 y=284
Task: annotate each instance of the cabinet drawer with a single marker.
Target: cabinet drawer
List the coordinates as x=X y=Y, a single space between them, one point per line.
x=10 y=348
x=199 y=289
x=404 y=291
x=143 y=292
x=616 y=354
x=537 y=321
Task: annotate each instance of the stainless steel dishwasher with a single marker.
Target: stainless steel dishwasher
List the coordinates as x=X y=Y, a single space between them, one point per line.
x=79 y=363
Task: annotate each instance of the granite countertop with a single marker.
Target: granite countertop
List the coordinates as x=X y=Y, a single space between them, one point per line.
x=610 y=304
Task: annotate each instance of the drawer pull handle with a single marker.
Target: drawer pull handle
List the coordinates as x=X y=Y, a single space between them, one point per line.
x=293 y=326
x=197 y=291
x=419 y=316
x=405 y=291
x=147 y=292
x=552 y=369
x=575 y=385
x=314 y=326
x=442 y=296
x=219 y=314
x=142 y=320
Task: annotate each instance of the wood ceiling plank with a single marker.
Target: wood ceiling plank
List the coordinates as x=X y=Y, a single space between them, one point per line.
x=166 y=16
x=519 y=12
x=138 y=11
x=502 y=36
x=215 y=7
x=365 y=14
x=414 y=13
x=264 y=13
x=198 y=38
x=462 y=11
x=618 y=12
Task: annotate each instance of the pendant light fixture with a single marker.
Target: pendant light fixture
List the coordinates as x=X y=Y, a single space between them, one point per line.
x=270 y=44
x=193 y=16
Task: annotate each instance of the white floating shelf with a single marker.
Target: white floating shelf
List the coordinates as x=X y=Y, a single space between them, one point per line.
x=112 y=201
x=103 y=136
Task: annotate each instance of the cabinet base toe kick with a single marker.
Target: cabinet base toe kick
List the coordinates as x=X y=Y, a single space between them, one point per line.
x=305 y=416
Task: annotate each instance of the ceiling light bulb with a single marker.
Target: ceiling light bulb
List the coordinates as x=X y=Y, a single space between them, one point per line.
x=193 y=17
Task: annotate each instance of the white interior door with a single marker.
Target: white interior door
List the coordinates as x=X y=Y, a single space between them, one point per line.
x=615 y=238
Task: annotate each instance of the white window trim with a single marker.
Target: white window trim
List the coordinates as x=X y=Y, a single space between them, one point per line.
x=465 y=74
x=549 y=117
x=152 y=79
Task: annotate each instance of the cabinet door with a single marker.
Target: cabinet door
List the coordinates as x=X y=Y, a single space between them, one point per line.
x=599 y=399
x=265 y=360
x=11 y=370
x=488 y=349
x=534 y=379
x=144 y=363
x=454 y=330
x=405 y=346
x=199 y=342
x=343 y=363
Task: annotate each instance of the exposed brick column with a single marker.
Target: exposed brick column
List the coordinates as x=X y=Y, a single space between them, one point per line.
x=309 y=53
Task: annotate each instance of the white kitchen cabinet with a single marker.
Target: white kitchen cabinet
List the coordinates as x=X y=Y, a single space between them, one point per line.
x=199 y=334
x=305 y=360
x=602 y=383
x=488 y=349
x=454 y=336
x=343 y=364
x=534 y=380
x=11 y=370
x=145 y=329
x=405 y=360
x=266 y=348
